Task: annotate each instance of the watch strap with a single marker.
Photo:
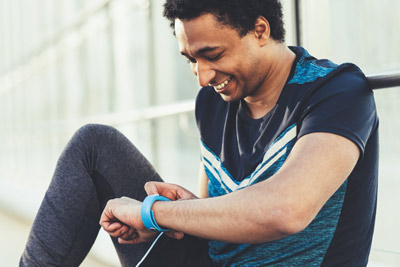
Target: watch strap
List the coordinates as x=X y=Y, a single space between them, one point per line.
x=147 y=214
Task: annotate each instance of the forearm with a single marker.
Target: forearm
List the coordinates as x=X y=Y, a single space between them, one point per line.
x=237 y=217
x=282 y=205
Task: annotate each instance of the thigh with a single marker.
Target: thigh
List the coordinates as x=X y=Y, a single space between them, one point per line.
x=99 y=163
x=116 y=166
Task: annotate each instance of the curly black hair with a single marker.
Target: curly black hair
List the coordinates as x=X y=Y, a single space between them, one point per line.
x=239 y=14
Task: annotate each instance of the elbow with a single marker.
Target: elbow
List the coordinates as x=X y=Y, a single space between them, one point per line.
x=290 y=221
x=290 y=226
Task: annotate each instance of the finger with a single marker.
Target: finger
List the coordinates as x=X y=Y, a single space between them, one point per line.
x=179 y=192
x=132 y=242
x=113 y=226
x=108 y=227
x=127 y=237
x=116 y=229
x=151 y=188
x=144 y=236
x=107 y=215
x=136 y=240
x=130 y=234
x=116 y=233
x=164 y=189
x=185 y=194
x=104 y=218
x=175 y=234
x=105 y=224
x=121 y=232
x=161 y=188
x=132 y=231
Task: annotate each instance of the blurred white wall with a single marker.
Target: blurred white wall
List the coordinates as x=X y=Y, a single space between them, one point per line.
x=67 y=62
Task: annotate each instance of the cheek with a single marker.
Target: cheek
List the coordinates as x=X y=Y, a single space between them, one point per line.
x=253 y=70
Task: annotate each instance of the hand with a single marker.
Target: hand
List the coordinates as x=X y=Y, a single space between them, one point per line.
x=121 y=218
x=173 y=192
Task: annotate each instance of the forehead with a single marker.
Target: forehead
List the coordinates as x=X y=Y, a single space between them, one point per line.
x=203 y=31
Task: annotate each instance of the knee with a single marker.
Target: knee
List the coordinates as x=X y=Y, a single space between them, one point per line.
x=93 y=128
x=95 y=133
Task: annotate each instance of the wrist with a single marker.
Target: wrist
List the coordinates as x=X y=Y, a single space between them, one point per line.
x=147 y=214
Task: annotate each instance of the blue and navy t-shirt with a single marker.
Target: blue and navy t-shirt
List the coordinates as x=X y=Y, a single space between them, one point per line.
x=238 y=151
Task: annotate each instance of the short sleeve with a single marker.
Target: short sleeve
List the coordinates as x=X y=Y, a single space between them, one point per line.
x=344 y=105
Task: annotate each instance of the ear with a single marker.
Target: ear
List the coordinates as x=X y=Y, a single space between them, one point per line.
x=262 y=30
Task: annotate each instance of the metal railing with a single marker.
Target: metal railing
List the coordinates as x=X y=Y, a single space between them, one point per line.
x=384 y=80
x=376 y=81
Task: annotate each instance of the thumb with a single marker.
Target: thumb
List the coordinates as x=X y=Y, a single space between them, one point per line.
x=175 y=234
x=151 y=188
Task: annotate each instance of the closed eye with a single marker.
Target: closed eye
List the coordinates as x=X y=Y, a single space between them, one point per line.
x=191 y=60
x=214 y=58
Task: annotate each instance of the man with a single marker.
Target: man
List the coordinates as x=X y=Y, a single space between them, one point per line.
x=289 y=158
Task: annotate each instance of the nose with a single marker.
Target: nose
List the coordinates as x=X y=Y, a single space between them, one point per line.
x=205 y=74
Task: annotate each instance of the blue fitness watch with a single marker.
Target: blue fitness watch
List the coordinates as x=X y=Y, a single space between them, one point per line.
x=147 y=214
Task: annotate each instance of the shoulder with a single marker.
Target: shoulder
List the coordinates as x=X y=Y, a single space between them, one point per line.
x=308 y=69
x=342 y=104
x=346 y=82
x=346 y=85
x=351 y=77
x=312 y=73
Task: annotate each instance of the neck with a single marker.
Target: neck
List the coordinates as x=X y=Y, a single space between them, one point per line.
x=279 y=64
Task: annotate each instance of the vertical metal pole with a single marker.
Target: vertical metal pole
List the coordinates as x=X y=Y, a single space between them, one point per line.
x=112 y=68
x=152 y=82
x=297 y=22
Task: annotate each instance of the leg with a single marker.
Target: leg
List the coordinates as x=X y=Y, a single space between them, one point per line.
x=98 y=164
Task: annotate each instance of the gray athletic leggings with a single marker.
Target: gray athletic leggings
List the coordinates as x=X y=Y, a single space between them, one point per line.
x=98 y=164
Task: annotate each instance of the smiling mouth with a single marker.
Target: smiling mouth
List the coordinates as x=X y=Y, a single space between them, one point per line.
x=221 y=85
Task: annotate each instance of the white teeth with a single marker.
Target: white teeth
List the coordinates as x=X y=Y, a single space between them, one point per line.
x=222 y=85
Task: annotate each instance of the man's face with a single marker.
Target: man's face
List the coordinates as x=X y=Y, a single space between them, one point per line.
x=220 y=57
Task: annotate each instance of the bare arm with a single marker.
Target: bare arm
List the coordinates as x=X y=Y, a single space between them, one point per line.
x=280 y=206
x=121 y=217
x=203 y=182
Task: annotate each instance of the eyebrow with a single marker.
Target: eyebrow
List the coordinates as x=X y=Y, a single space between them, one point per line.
x=206 y=49
x=203 y=50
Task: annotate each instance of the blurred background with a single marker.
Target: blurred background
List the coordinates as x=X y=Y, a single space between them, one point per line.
x=65 y=63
